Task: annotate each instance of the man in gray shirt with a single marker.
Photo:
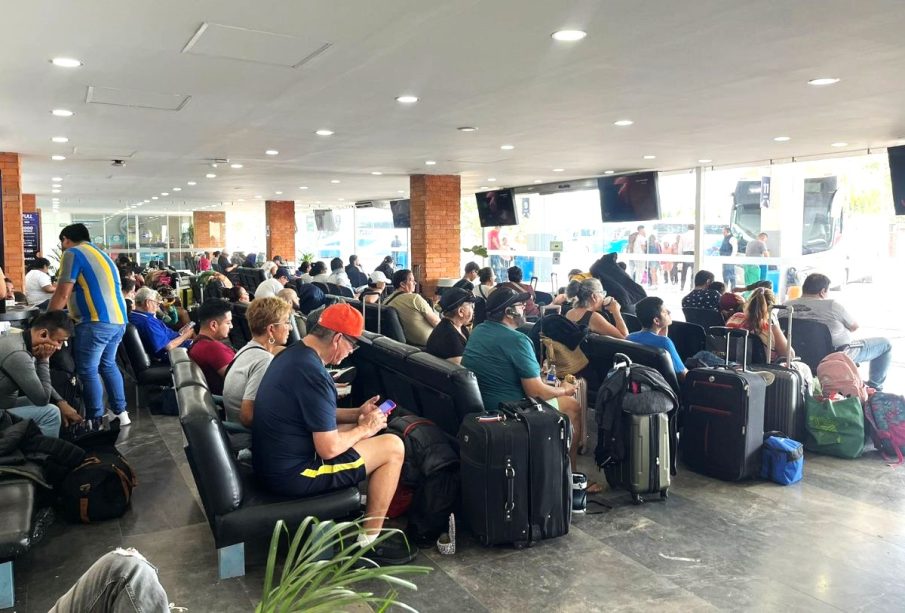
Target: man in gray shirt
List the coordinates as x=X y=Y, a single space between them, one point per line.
x=25 y=370
x=815 y=305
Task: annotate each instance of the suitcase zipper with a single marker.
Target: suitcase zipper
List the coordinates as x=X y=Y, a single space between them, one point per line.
x=654 y=477
x=711 y=410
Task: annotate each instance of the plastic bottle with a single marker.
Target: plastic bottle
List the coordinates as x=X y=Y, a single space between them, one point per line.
x=551 y=376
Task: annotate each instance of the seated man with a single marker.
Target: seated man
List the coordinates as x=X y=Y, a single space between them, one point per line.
x=448 y=339
x=515 y=283
x=416 y=315
x=471 y=273
x=270 y=287
x=815 y=304
x=209 y=351
x=304 y=445
x=702 y=296
x=25 y=369
x=655 y=319
x=157 y=338
x=503 y=360
x=338 y=274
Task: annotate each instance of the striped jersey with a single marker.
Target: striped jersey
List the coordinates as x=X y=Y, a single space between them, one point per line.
x=96 y=295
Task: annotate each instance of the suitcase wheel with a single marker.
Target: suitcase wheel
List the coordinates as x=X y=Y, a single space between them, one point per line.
x=637 y=499
x=664 y=494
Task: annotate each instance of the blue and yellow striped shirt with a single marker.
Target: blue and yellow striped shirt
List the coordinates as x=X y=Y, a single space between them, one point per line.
x=97 y=295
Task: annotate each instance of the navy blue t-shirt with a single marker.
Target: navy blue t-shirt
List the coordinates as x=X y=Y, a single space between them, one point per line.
x=295 y=398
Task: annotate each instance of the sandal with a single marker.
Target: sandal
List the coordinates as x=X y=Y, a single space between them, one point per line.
x=595 y=488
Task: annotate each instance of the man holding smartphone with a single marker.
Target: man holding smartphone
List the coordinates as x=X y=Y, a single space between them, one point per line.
x=157 y=338
x=304 y=445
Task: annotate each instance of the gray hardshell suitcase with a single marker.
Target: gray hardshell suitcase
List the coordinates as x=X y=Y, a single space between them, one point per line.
x=645 y=469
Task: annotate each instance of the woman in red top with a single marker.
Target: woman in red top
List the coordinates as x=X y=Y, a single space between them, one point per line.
x=756 y=318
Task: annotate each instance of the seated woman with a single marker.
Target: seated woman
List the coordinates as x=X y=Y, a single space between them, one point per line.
x=587 y=299
x=238 y=293
x=377 y=283
x=268 y=319
x=757 y=319
x=486 y=283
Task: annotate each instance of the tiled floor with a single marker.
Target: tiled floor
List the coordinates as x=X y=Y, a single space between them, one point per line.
x=834 y=542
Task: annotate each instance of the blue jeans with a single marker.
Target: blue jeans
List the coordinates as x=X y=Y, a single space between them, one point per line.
x=729 y=276
x=94 y=347
x=877 y=351
x=47 y=417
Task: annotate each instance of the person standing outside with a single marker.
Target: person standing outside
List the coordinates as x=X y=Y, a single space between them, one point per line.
x=756 y=249
x=204 y=262
x=637 y=245
x=494 y=244
x=686 y=247
x=89 y=284
x=728 y=248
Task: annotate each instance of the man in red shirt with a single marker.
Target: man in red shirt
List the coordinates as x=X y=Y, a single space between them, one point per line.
x=209 y=351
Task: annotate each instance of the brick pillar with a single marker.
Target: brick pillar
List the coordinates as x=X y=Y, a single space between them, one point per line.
x=280 y=229
x=210 y=229
x=436 y=227
x=11 y=190
x=29 y=205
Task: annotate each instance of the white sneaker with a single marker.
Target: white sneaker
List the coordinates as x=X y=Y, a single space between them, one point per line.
x=122 y=417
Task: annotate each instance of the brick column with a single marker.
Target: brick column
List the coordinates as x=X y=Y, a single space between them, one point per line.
x=436 y=227
x=11 y=190
x=29 y=204
x=205 y=236
x=280 y=222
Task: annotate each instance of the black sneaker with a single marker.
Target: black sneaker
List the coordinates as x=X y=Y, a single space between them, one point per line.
x=394 y=551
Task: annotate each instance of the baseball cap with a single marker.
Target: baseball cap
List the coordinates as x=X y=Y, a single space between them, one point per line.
x=455 y=297
x=282 y=271
x=504 y=297
x=730 y=301
x=344 y=319
x=378 y=277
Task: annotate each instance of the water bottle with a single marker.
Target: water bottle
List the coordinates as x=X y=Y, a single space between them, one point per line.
x=551 y=376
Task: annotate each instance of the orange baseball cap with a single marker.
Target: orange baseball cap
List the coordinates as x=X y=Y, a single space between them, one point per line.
x=344 y=319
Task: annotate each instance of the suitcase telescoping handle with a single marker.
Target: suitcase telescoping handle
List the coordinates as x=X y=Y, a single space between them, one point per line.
x=729 y=333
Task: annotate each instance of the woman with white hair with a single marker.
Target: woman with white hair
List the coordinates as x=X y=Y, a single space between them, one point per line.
x=588 y=298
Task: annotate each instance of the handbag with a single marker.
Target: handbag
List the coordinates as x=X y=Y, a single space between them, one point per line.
x=835 y=427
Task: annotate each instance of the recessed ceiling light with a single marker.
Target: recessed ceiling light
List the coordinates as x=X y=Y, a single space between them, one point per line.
x=334 y=180
x=66 y=62
x=56 y=179
x=215 y=165
x=840 y=144
x=54 y=191
x=324 y=132
x=60 y=139
x=56 y=186
x=568 y=36
x=58 y=158
x=401 y=191
x=164 y=193
x=62 y=113
x=241 y=199
x=491 y=179
x=210 y=175
x=467 y=129
x=538 y=181
x=303 y=187
x=507 y=147
x=236 y=166
x=341 y=199
x=608 y=172
x=623 y=122
x=407 y=99
x=704 y=161
x=258 y=197
x=782 y=139
x=177 y=189
x=483 y=188
x=154 y=198
x=559 y=170
x=823 y=81
x=430 y=163
x=376 y=173
x=272 y=152
x=278 y=193
x=146 y=201
x=649 y=157
x=191 y=183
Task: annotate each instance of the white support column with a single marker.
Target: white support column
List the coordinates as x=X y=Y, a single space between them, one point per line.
x=698 y=218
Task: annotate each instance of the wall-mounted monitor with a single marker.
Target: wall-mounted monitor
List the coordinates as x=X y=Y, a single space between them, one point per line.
x=632 y=197
x=325 y=220
x=402 y=213
x=897 y=177
x=497 y=208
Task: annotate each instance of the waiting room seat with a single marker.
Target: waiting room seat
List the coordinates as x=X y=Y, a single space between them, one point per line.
x=250 y=278
x=388 y=320
x=179 y=354
x=687 y=337
x=147 y=373
x=240 y=333
x=340 y=290
x=240 y=513
x=480 y=311
x=321 y=286
x=811 y=340
x=17 y=507
x=600 y=351
x=703 y=317
x=631 y=322
x=395 y=382
x=542 y=298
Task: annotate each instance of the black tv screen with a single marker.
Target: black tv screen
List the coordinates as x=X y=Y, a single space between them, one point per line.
x=497 y=208
x=325 y=221
x=629 y=197
x=897 y=177
x=402 y=213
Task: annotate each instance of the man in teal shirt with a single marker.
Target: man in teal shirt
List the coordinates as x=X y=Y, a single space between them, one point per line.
x=503 y=360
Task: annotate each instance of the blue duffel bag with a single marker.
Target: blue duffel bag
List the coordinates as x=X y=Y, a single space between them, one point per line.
x=782 y=459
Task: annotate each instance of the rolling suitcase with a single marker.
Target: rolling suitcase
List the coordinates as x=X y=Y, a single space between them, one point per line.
x=723 y=428
x=516 y=477
x=784 y=402
x=646 y=467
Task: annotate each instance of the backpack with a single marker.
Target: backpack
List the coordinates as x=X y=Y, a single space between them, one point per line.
x=886 y=415
x=837 y=373
x=782 y=459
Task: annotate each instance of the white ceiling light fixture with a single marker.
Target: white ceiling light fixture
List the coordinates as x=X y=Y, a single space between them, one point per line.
x=782 y=139
x=271 y=152
x=467 y=129
x=376 y=173
x=258 y=197
x=704 y=161
x=400 y=191
x=146 y=201
x=430 y=163
x=56 y=179
x=608 y=172
x=62 y=113
x=538 y=181
x=334 y=181
x=568 y=36
x=649 y=157
x=54 y=191
x=559 y=170
x=483 y=188
x=60 y=139
x=303 y=187
x=210 y=175
x=491 y=180
x=406 y=99
x=56 y=186
x=191 y=183
x=507 y=147
x=623 y=122
x=241 y=199
x=236 y=166
x=177 y=189
x=154 y=198
x=823 y=81
x=839 y=144
x=278 y=193
x=66 y=62
x=58 y=158
x=325 y=132
x=164 y=193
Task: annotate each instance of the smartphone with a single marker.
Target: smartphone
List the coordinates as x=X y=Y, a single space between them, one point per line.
x=187 y=327
x=387 y=407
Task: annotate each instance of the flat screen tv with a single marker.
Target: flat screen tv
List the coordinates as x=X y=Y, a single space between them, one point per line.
x=497 y=208
x=897 y=177
x=325 y=220
x=631 y=197
x=402 y=213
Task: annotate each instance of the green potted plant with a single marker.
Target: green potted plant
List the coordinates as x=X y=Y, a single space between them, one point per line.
x=479 y=250
x=323 y=567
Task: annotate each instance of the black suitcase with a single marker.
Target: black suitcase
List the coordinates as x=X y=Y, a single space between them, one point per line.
x=516 y=477
x=724 y=420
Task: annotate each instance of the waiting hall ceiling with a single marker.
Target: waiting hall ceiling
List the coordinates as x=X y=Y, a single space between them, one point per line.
x=175 y=84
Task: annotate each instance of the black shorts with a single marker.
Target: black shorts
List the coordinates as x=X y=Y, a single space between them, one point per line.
x=318 y=476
